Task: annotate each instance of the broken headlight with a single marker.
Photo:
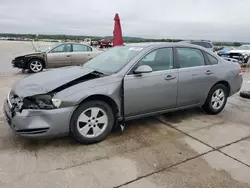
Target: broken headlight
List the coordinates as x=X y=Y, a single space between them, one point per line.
x=39 y=102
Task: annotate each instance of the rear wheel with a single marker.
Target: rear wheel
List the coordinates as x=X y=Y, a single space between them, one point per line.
x=35 y=65
x=92 y=122
x=216 y=99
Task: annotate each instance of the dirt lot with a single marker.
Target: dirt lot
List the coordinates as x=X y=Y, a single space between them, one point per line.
x=184 y=149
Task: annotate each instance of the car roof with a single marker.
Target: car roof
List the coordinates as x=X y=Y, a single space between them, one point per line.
x=143 y=44
x=72 y=43
x=152 y=46
x=189 y=41
x=164 y=44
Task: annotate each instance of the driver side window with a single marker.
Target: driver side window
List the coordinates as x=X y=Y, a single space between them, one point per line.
x=62 y=48
x=158 y=60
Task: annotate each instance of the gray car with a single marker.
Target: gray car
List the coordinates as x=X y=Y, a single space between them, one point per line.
x=120 y=84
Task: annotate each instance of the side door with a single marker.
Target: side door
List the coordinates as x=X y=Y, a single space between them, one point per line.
x=59 y=56
x=154 y=91
x=81 y=54
x=196 y=76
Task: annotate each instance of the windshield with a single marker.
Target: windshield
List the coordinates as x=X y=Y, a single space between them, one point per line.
x=113 y=60
x=243 y=48
x=44 y=49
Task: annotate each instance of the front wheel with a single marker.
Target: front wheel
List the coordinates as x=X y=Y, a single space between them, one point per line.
x=92 y=122
x=35 y=66
x=216 y=99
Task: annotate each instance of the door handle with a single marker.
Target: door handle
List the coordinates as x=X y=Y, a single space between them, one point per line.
x=68 y=55
x=170 y=77
x=209 y=72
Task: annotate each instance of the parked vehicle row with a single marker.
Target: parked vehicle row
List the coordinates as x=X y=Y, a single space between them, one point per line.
x=66 y=54
x=120 y=84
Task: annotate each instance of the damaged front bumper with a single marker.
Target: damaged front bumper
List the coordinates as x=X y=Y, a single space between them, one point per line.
x=18 y=63
x=39 y=123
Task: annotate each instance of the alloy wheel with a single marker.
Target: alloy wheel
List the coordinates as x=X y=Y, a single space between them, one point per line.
x=36 y=66
x=92 y=122
x=218 y=99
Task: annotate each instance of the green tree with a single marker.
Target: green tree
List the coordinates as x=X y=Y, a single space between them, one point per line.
x=236 y=44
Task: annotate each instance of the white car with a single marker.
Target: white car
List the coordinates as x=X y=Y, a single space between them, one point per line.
x=241 y=53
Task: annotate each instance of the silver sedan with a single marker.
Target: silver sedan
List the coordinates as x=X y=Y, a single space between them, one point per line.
x=61 y=55
x=120 y=84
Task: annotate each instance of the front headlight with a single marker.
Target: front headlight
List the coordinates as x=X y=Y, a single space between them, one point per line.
x=56 y=102
x=39 y=102
x=245 y=56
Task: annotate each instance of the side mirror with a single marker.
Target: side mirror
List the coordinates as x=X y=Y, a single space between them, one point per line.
x=143 y=69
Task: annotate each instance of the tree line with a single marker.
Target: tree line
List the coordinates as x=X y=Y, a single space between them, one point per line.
x=126 y=39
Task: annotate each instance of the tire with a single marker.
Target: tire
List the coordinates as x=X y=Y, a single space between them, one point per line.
x=84 y=122
x=216 y=99
x=245 y=94
x=35 y=66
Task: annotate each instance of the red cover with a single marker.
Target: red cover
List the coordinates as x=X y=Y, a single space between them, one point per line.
x=118 y=40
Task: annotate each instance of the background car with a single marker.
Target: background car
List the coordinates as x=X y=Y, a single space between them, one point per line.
x=225 y=51
x=120 y=84
x=241 y=53
x=104 y=43
x=66 y=54
x=205 y=44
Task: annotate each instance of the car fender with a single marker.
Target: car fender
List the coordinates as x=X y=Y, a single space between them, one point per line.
x=29 y=58
x=111 y=90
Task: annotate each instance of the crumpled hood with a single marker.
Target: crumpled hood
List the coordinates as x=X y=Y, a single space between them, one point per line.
x=29 y=54
x=47 y=81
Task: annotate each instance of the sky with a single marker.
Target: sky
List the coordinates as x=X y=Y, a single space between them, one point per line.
x=220 y=20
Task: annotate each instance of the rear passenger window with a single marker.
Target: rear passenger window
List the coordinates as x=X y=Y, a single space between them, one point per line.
x=212 y=59
x=190 y=57
x=80 y=48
